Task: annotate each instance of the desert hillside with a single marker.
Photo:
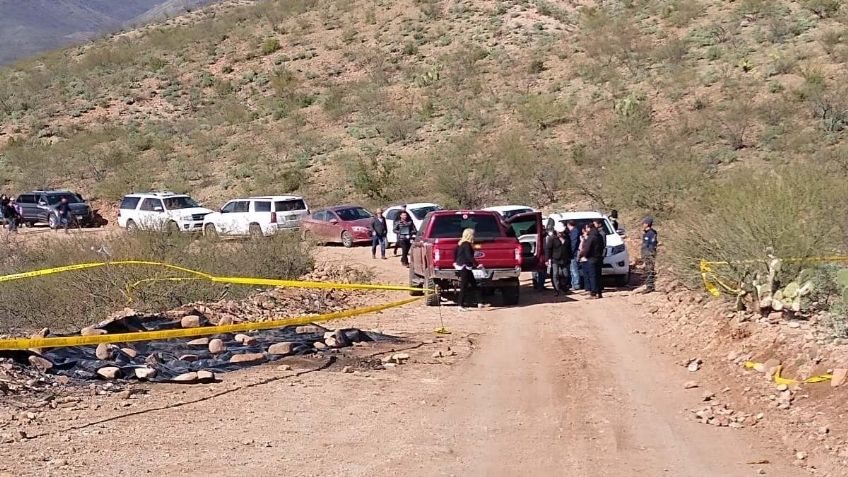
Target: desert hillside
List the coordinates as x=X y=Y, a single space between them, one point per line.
x=639 y=105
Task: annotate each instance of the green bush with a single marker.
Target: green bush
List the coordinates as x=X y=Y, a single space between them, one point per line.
x=823 y=8
x=543 y=110
x=75 y=299
x=269 y=46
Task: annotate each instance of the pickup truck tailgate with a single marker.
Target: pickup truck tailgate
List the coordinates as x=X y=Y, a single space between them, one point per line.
x=492 y=253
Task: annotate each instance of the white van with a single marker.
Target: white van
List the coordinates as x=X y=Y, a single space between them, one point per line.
x=256 y=216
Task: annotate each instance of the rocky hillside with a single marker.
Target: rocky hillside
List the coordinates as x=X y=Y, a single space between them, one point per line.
x=636 y=104
x=32 y=26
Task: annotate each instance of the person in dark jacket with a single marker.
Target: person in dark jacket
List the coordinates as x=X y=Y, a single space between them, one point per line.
x=465 y=263
x=558 y=251
x=574 y=265
x=10 y=215
x=397 y=242
x=4 y=199
x=63 y=213
x=613 y=217
x=379 y=232
x=405 y=231
x=593 y=253
x=650 y=242
x=599 y=225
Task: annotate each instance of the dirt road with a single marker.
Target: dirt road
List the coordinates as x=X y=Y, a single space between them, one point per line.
x=547 y=388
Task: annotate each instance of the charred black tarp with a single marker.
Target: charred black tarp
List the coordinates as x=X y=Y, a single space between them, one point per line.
x=171 y=358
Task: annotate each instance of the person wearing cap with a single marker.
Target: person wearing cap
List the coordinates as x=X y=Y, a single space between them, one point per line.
x=379 y=231
x=558 y=251
x=649 y=253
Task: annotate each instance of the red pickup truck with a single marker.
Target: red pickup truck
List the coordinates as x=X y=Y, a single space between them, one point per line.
x=503 y=248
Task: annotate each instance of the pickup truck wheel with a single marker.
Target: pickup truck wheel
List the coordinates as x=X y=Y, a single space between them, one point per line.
x=511 y=294
x=131 y=226
x=433 y=299
x=347 y=239
x=210 y=231
x=415 y=282
x=255 y=231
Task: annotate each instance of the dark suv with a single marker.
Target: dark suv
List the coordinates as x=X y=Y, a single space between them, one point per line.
x=40 y=207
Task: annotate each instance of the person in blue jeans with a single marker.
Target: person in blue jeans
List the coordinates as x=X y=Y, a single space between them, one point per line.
x=574 y=264
x=379 y=233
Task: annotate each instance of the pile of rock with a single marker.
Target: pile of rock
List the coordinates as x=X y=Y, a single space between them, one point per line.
x=395 y=359
x=719 y=415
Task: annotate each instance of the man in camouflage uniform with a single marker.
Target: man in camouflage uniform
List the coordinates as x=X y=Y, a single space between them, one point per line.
x=649 y=253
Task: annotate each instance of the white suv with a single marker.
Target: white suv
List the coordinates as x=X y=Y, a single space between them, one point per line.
x=616 y=258
x=256 y=216
x=161 y=211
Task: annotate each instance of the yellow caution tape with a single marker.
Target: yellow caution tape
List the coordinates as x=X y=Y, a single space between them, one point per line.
x=58 y=342
x=269 y=282
x=712 y=280
x=778 y=379
x=27 y=343
x=826 y=259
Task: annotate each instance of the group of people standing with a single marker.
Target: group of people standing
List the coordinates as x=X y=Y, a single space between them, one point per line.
x=12 y=215
x=404 y=229
x=576 y=252
x=576 y=256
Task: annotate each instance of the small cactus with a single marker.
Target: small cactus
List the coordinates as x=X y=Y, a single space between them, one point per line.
x=787 y=298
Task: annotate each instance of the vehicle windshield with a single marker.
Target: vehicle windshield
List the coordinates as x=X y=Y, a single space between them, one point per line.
x=451 y=226
x=353 y=213
x=422 y=212
x=509 y=213
x=180 y=202
x=54 y=199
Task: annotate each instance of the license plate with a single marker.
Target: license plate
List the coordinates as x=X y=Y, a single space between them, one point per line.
x=291 y=218
x=79 y=217
x=480 y=274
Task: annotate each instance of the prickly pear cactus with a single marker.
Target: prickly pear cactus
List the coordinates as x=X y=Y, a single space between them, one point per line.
x=788 y=297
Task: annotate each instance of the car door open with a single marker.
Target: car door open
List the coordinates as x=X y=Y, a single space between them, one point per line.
x=528 y=229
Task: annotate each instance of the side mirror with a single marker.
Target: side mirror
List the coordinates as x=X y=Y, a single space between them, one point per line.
x=621 y=232
x=334 y=221
x=42 y=203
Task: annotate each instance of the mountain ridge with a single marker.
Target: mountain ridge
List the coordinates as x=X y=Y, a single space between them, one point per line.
x=35 y=26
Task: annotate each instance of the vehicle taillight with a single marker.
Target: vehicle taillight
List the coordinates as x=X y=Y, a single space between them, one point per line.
x=437 y=255
x=518 y=255
x=273 y=217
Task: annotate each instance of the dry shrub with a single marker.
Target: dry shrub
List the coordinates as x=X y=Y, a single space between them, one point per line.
x=788 y=213
x=74 y=299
